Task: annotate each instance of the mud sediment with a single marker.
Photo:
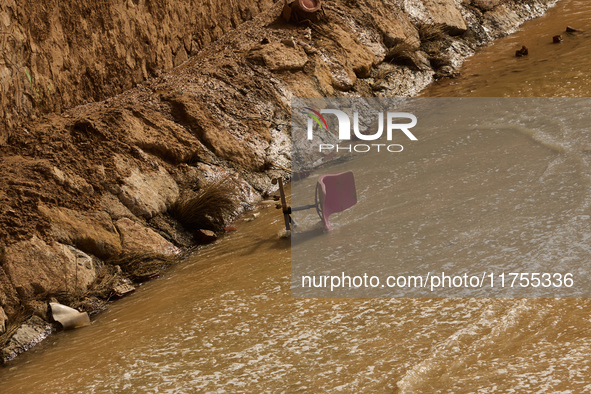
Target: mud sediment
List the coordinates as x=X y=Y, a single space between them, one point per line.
x=82 y=189
x=58 y=54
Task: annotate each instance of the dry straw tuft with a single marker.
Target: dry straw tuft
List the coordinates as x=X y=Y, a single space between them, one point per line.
x=13 y=324
x=431 y=33
x=440 y=61
x=401 y=51
x=209 y=208
x=136 y=265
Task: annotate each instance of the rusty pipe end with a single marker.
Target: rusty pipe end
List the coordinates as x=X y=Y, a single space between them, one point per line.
x=308 y=6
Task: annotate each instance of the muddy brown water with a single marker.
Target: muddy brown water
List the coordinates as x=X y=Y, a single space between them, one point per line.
x=224 y=321
x=549 y=70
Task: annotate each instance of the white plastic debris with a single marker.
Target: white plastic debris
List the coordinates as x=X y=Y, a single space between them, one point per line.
x=68 y=317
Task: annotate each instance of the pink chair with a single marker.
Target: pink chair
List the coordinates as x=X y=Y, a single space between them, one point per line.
x=335 y=193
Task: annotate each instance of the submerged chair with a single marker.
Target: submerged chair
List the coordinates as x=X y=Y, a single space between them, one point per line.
x=334 y=193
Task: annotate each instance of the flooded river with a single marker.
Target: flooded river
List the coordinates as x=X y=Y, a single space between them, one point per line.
x=224 y=320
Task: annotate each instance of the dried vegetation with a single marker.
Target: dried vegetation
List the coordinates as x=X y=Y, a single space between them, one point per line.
x=139 y=265
x=209 y=208
x=431 y=33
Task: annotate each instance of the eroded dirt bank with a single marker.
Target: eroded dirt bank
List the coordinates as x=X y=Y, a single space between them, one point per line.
x=57 y=54
x=82 y=189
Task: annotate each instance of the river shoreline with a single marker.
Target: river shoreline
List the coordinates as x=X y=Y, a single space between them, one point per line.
x=98 y=182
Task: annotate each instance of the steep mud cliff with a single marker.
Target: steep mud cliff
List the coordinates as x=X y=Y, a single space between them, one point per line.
x=58 y=54
x=88 y=185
